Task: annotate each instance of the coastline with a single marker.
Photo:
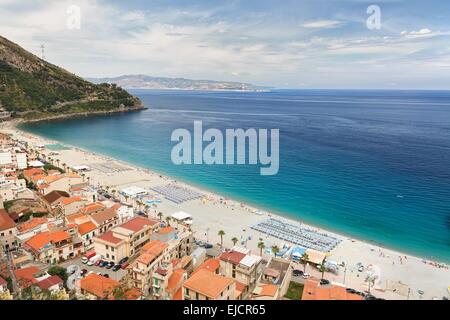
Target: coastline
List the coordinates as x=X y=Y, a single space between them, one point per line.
x=349 y=246
x=18 y=121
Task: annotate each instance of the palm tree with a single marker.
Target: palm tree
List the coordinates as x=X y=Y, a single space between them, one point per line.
x=275 y=250
x=235 y=240
x=304 y=259
x=221 y=233
x=322 y=268
x=261 y=247
x=168 y=220
x=160 y=215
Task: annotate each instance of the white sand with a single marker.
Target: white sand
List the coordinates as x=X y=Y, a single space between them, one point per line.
x=211 y=216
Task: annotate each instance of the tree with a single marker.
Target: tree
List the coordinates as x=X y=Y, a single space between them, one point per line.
x=221 y=233
x=322 y=268
x=58 y=271
x=5 y=296
x=160 y=215
x=261 y=247
x=275 y=250
x=304 y=260
x=168 y=220
x=59 y=295
x=235 y=240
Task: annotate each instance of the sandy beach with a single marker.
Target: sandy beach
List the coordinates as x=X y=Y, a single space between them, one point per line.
x=400 y=276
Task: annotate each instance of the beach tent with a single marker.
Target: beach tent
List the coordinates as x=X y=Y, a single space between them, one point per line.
x=133 y=191
x=297 y=253
x=35 y=164
x=181 y=216
x=81 y=168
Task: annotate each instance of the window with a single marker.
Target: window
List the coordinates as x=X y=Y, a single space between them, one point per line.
x=107 y=247
x=112 y=257
x=107 y=255
x=112 y=249
x=196 y=296
x=187 y=291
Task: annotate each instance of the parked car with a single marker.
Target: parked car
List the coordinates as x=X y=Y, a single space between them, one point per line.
x=106 y=275
x=98 y=262
x=109 y=265
x=124 y=265
x=361 y=268
x=208 y=245
x=83 y=272
x=84 y=260
x=324 y=282
x=306 y=275
x=116 y=267
x=122 y=261
x=103 y=264
x=297 y=273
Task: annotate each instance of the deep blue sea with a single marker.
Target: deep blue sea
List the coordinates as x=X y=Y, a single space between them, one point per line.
x=371 y=164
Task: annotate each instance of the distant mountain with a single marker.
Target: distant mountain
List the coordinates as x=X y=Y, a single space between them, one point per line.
x=32 y=88
x=148 y=82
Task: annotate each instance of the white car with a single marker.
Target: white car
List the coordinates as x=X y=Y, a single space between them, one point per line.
x=84 y=260
x=306 y=275
x=90 y=263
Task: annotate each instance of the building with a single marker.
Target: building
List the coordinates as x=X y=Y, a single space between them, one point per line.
x=242 y=266
x=52 y=199
x=63 y=182
x=8 y=231
x=72 y=205
x=95 y=286
x=106 y=219
x=125 y=240
x=313 y=290
x=50 y=246
x=52 y=284
x=205 y=285
x=87 y=231
x=274 y=280
x=158 y=254
x=166 y=281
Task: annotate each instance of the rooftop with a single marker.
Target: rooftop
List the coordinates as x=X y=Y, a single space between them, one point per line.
x=109 y=237
x=98 y=285
x=208 y=283
x=42 y=239
x=49 y=282
x=86 y=227
x=314 y=291
x=5 y=220
x=138 y=223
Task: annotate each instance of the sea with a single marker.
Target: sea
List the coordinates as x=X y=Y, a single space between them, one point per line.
x=370 y=164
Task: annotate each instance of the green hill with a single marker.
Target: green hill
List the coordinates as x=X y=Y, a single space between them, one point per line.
x=31 y=88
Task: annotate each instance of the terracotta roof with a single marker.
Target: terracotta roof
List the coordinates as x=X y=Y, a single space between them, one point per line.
x=102 y=216
x=208 y=283
x=25 y=276
x=86 y=227
x=109 y=237
x=70 y=200
x=146 y=258
x=155 y=247
x=98 y=285
x=92 y=207
x=28 y=173
x=240 y=287
x=5 y=220
x=232 y=256
x=266 y=290
x=165 y=230
x=40 y=240
x=49 y=282
x=31 y=224
x=76 y=217
x=55 y=195
x=314 y=291
x=138 y=223
x=175 y=280
x=211 y=265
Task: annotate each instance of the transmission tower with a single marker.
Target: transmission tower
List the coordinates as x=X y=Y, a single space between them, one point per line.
x=43 y=51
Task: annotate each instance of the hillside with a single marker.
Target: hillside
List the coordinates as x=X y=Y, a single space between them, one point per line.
x=31 y=88
x=148 y=82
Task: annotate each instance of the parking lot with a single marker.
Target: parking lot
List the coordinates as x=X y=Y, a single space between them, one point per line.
x=116 y=275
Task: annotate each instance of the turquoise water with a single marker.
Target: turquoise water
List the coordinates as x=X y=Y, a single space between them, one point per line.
x=370 y=164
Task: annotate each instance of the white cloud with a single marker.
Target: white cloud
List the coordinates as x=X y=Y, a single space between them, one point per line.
x=322 y=24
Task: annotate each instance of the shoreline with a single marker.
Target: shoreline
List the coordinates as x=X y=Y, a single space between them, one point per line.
x=354 y=243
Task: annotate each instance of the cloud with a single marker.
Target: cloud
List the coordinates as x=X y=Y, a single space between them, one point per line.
x=322 y=24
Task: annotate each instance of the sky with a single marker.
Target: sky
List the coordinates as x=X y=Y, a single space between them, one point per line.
x=285 y=43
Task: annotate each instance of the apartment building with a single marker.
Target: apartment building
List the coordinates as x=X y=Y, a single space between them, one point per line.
x=8 y=231
x=126 y=239
x=50 y=246
x=206 y=285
